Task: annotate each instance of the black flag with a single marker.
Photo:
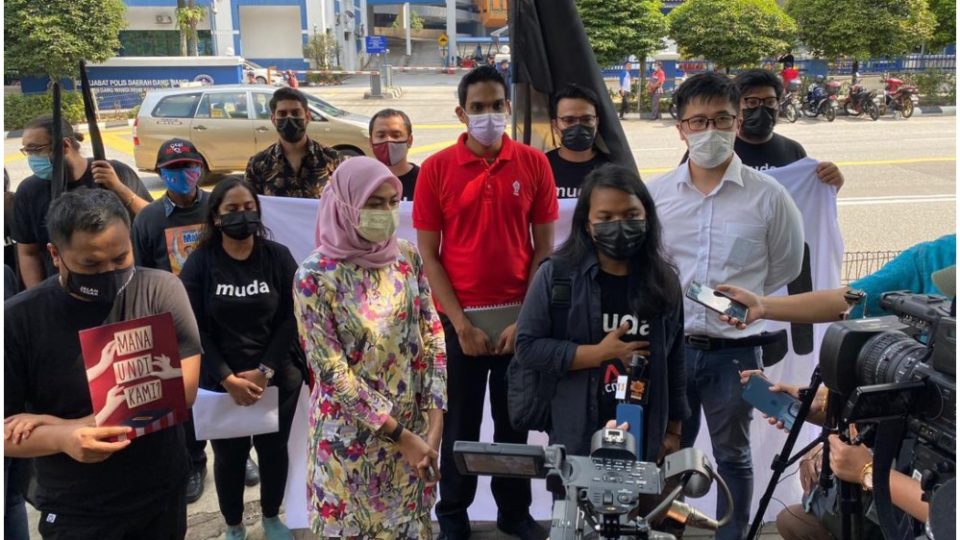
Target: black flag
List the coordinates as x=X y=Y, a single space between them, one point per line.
x=58 y=181
x=550 y=50
x=90 y=110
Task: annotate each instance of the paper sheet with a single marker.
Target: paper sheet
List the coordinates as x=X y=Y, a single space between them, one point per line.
x=216 y=416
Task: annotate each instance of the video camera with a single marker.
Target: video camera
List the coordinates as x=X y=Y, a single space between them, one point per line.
x=899 y=369
x=602 y=494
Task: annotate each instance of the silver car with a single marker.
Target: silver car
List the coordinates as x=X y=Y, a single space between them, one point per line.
x=230 y=123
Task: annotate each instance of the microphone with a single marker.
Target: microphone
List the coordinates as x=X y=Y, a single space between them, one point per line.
x=687 y=515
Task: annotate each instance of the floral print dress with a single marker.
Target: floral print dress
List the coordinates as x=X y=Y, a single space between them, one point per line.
x=375 y=345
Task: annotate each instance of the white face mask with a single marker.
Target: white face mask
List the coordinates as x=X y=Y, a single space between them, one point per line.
x=711 y=147
x=487 y=128
x=378 y=226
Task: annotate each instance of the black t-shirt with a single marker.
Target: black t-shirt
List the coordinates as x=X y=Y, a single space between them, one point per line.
x=44 y=374
x=165 y=241
x=569 y=175
x=32 y=200
x=777 y=152
x=615 y=306
x=244 y=310
x=409 y=181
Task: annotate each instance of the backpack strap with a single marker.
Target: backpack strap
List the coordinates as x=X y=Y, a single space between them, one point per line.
x=561 y=293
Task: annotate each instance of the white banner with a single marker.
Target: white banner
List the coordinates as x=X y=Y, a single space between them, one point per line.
x=292 y=222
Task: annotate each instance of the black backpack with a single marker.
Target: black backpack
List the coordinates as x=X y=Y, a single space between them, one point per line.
x=530 y=391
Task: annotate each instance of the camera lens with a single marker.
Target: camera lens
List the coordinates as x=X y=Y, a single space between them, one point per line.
x=889 y=357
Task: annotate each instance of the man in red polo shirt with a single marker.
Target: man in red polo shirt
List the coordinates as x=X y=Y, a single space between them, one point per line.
x=477 y=204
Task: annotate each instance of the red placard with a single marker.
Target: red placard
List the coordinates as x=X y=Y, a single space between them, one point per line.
x=133 y=368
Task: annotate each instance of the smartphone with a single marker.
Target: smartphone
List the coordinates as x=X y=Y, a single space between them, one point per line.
x=779 y=405
x=632 y=414
x=716 y=301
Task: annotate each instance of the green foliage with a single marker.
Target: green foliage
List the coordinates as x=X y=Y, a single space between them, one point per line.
x=861 y=30
x=416 y=21
x=731 y=33
x=19 y=109
x=50 y=38
x=935 y=87
x=619 y=28
x=320 y=49
x=945 y=31
x=325 y=79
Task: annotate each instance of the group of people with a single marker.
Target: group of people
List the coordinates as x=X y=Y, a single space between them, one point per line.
x=398 y=343
x=654 y=88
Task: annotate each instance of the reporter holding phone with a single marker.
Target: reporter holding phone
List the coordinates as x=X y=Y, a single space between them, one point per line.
x=375 y=345
x=625 y=300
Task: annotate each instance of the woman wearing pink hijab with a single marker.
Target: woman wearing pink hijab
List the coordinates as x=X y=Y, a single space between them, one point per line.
x=375 y=345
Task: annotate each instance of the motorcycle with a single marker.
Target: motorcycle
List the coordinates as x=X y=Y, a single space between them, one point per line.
x=788 y=103
x=822 y=101
x=861 y=101
x=899 y=96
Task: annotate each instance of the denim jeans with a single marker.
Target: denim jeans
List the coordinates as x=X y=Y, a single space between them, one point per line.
x=713 y=385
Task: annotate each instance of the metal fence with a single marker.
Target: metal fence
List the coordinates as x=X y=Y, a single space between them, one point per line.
x=907 y=64
x=857 y=264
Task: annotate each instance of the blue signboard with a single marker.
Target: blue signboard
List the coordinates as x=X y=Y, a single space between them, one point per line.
x=376 y=44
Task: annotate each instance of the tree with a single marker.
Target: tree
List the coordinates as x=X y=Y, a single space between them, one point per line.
x=860 y=30
x=945 y=32
x=187 y=19
x=416 y=21
x=620 y=28
x=320 y=49
x=731 y=33
x=50 y=38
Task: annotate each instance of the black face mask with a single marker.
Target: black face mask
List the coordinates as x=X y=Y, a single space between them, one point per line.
x=578 y=138
x=291 y=129
x=103 y=287
x=240 y=225
x=758 y=122
x=620 y=239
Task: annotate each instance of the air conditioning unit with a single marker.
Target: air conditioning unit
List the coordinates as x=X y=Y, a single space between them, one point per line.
x=164 y=19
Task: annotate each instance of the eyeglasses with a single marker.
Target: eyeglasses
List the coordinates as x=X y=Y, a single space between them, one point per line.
x=35 y=150
x=700 y=123
x=754 y=102
x=586 y=120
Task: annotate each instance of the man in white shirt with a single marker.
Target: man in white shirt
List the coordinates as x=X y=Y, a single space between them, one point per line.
x=723 y=223
x=626 y=85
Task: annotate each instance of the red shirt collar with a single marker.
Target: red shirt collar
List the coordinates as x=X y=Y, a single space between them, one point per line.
x=465 y=155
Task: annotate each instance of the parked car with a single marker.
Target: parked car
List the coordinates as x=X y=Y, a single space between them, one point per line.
x=261 y=73
x=228 y=124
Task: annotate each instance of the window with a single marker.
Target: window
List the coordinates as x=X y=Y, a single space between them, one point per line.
x=261 y=105
x=179 y=106
x=223 y=106
x=160 y=43
x=323 y=106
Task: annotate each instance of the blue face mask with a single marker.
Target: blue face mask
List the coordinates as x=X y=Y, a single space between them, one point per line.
x=41 y=166
x=181 y=181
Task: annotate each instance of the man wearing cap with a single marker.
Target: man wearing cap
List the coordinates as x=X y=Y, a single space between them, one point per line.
x=164 y=234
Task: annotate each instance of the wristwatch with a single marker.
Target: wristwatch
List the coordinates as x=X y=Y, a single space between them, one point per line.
x=866 y=477
x=267 y=371
x=394 y=436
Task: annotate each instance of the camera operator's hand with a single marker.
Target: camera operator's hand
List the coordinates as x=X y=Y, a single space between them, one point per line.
x=810 y=467
x=847 y=461
x=612 y=424
x=816 y=414
x=755 y=308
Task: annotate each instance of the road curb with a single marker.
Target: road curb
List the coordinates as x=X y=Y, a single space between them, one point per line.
x=79 y=128
x=936 y=110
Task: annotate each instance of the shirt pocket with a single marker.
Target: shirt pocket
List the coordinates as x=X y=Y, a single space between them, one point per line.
x=744 y=244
